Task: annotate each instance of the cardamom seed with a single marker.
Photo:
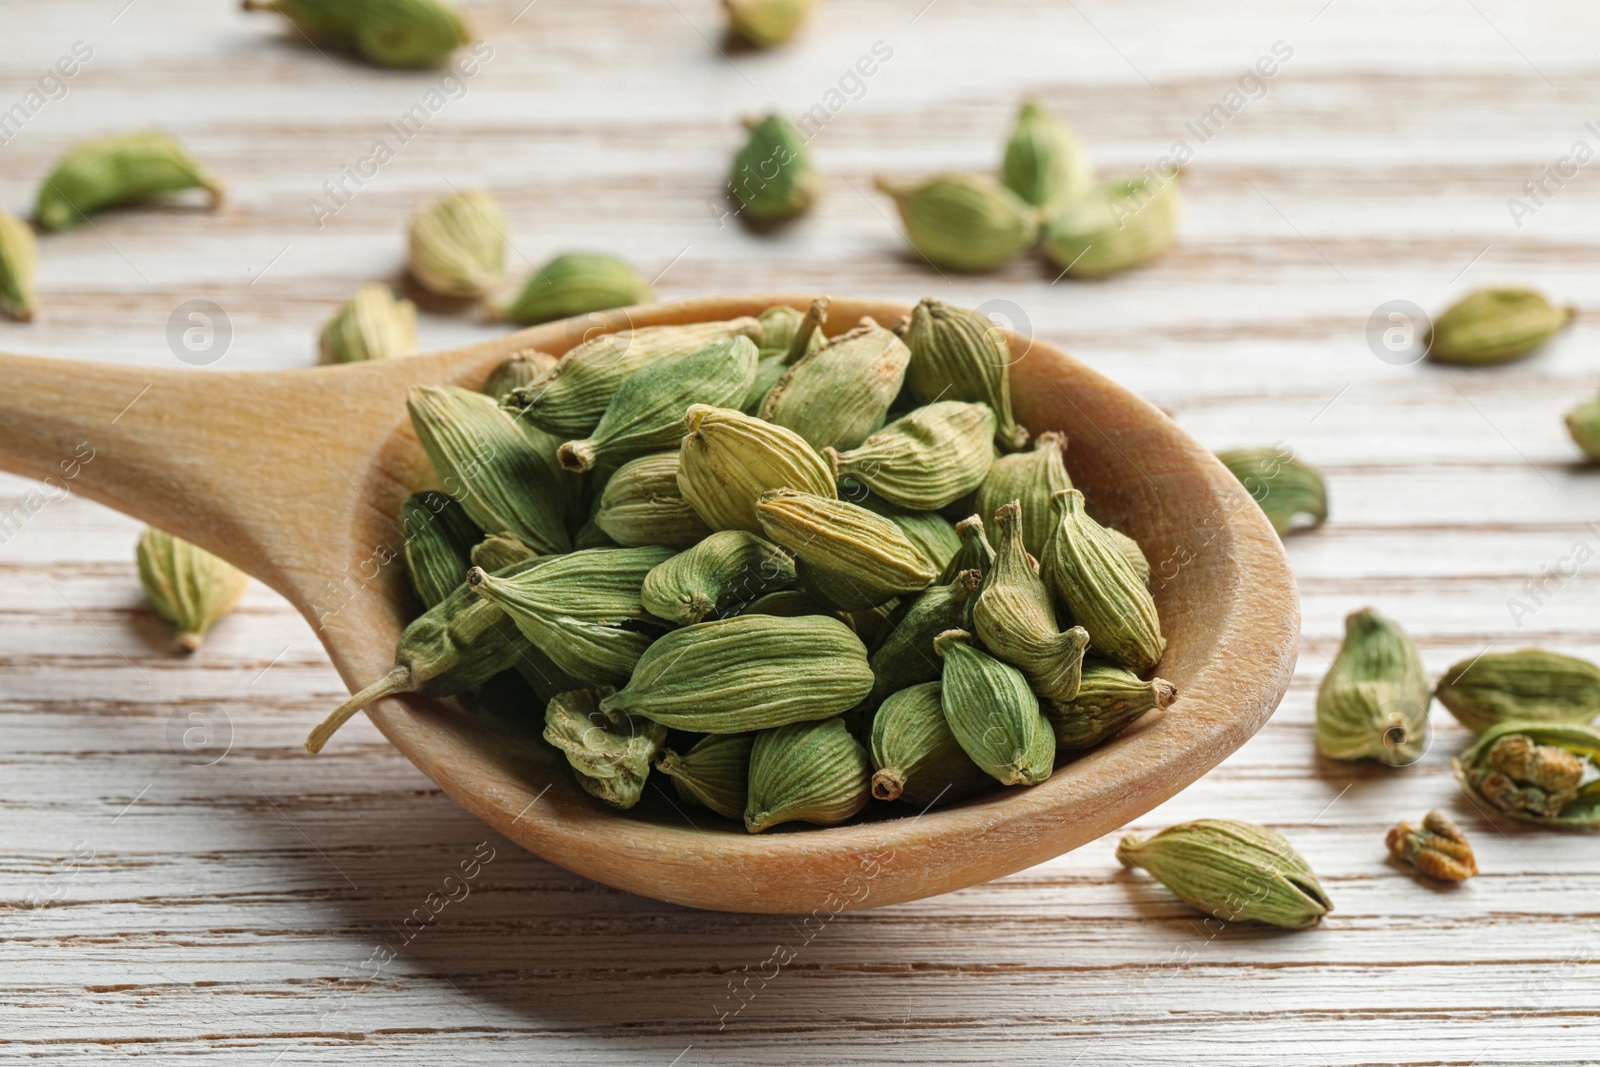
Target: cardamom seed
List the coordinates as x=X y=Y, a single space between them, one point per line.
x=1437 y=848
x=1088 y=572
x=405 y=34
x=1543 y=773
x=1530 y=685
x=123 y=169
x=1044 y=163
x=811 y=772
x=847 y=554
x=966 y=222
x=916 y=757
x=730 y=459
x=1492 y=326
x=496 y=552
x=1114 y=227
x=715 y=773
x=975 y=553
x=905 y=658
x=930 y=458
x=19 y=257
x=766 y=23
x=1373 y=703
x=643 y=505
x=576 y=284
x=1033 y=479
x=1583 y=423
x=725 y=569
x=1285 y=487
x=373 y=324
x=610 y=752
x=931 y=532
x=957 y=354
x=187 y=586
x=439 y=538
x=840 y=394
x=519 y=369
x=1131 y=552
x=773 y=176
x=1109 y=700
x=457 y=245
x=1233 y=871
x=1017 y=623
x=993 y=713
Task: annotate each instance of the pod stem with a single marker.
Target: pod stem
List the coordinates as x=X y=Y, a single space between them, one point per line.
x=887 y=785
x=396 y=681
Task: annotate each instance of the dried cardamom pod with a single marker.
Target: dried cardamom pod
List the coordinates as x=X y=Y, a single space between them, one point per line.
x=642 y=505
x=730 y=459
x=1131 y=552
x=1232 y=871
x=405 y=34
x=788 y=333
x=519 y=369
x=570 y=400
x=576 y=284
x=1583 y=423
x=993 y=713
x=497 y=551
x=457 y=246
x=931 y=532
x=1543 y=773
x=1529 y=685
x=1087 y=570
x=957 y=354
x=1437 y=848
x=792 y=604
x=1285 y=487
x=811 y=772
x=610 y=752
x=439 y=538
x=975 y=553
x=1373 y=703
x=749 y=672
x=504 y=475
x=840 y=394
x=1116 y=226
x=966 y=222
x=122 y=169
x=727 y=568
x=934 y=456
x=1016 y=621
x=19 y=257
x=1492 y=326
x=715 y=773
x=905 y=657
x=849 y=555
x=647 y=412
x=374 y=324
x=765 y=23
x=187 y=586
x=1109 y=699
x=916 y=756
x=1032 y=478
x=773 y=176
x=1044 y=163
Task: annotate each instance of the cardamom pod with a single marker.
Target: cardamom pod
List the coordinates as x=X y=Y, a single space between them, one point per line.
x=813 y=772
x=647 y=412
x=849 y=555
x=1530 y=685
x=1285 y=487
x=975 y=553
x=1373 y=703
x=439 y=539
x=788 y=333
x=496 y=552
x=1231 y=871
x=966 y=222
x=1017 y=623
x=715 y=773
x=1583 y=423
x=187 y=586
x=749 y=672
x=457 y=245
x=519 y=369
x=1492 y=326
x=122 y=169
x=993 y=713
x=730 y=459
x=1116 y=226
x=1131 y=552
x=1032 y=478
x=905 y=657
x=1543 y=773
x=916 y=757
x=1437 y=848
x=1087 y=570
x=930 y=458
x=765 y=23
x=610 y=752
x=19 y=257
x=931 y=532
x=792 y=604
x=405 y=34
x=642 y=505
x=958 y=354
x=1109 y=700
x=773 y=176
x=576 y=284
x=373 y=324
x=840 y=394
x=1044 y=164
x=725 y=569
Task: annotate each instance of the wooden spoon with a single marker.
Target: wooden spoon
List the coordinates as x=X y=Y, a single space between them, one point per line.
x=298 y=476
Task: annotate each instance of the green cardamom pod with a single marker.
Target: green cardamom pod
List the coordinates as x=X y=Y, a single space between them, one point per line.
x=19 y=257
x=773 y=176
x=1492 y=326
x=966 y=222
x=930 y=458
x=1285 y=487
x=457 y=246
x=122 y=169
x=1373 y=703
x=1109 y=700
x=813 y=772
x=647 y=412
x=1114 y=227
x=931 y=532
x=1231 y=871
x=730 y=459
x=496 y=552
x=1016 y=621
x=915 y=754
x=1437 y=848
x=1583 y=423
x=788 y=333
x=715 y=773
x=727 y=568
x=374 y=324
x=1033 y=478
x=405 y=34
x=1104 y=594
x=439 y=539
x=792 y=604
x=958 y=354
x=1131 y=552
x=1044 y=164
x=519 y=369
x=840 y=394
x=749 y=672
x=1543 y=773
x=993 y=713
x=849 y=555
x=1529 y=685
x=642 y=505
x=187 y=586
x=504 y=475
x=975 y=553
x=577 y=283
x=570 y=400
x=610 y=752
x=905 y=657
x=539 y=672
x=765 y=23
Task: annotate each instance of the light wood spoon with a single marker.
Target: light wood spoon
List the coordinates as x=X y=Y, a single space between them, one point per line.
x=298 y=476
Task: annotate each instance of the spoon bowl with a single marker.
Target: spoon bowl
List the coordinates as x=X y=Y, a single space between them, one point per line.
x=297 y=477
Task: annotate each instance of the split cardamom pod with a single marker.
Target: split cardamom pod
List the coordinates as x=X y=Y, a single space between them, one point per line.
x=811 y=772
x=1437 y=848
x=926 y=460
x=1044 y=164
x=1232 y=871
x=439 y=540
x=1492 y=326
x=1373 y=702
x=643 y=505
x=765 y=23
x=1542 y=773
x=957 y=354
x=993 y=713
x=187 y=586
x=1114 y=227
x=374 y=324
x=928 y=530
x=1017 y=623
x=715 y=773
x=905 y=658
x=730 y=459
x=610 y=752
x=915 y=755
x=838 y=395
x=1583 y=423
x=850 y=556
x=1529 y=685
x=966 y=222
x=1109 y=699
x=457 y=246
x=976 y=552
x=773 y=176
x=519 y=369
x=723 y=570
x=1285 y=487
x=576 y=284
x=1087 y=570
x=1033 y=479
x=123 y=169
x=405 y=34
x=19 y=258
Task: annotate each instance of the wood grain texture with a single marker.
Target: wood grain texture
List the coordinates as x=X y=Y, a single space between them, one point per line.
x=228 y=912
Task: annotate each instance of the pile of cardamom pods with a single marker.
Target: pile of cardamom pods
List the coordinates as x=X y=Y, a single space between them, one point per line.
x=734 y=554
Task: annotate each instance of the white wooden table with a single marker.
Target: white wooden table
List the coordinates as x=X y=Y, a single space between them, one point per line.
x=162 y=907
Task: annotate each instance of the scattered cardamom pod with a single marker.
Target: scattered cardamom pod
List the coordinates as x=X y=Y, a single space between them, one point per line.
x=123 y=169
x=187 y=586
x=457 y=246
x=1492 y=326
x=1583 y=423
x=1114 y=227
x=1285 y=487
x=1087 y=570
x=765 y=23
x=1044 y=163
x=576 y=284
x=610 y=752
x=773 y=176
x=1131 y=552
x=1437 y=848
x=1543 y=773
x=849 y=555
x=931 y=532
x=715 y=773
x=993 y=713
x=725 y=569
x=1373 y=702
x=405 y=34
x=905 y=657
x=439 y=539
x=966 y=222
x=1109 y=699
x=1033 y=479
x=730 y=459
x=496 y=552
x=915 y=754
x=519 y=369
x=643 y=505
x=374 y=324
x=957 y=354
x=1231 y=871
x=840 y=394
x=811 y=772
x=1529 y=685
x=930 y=458
x=975 y=553
x=1017 y=623
x=19 y=257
